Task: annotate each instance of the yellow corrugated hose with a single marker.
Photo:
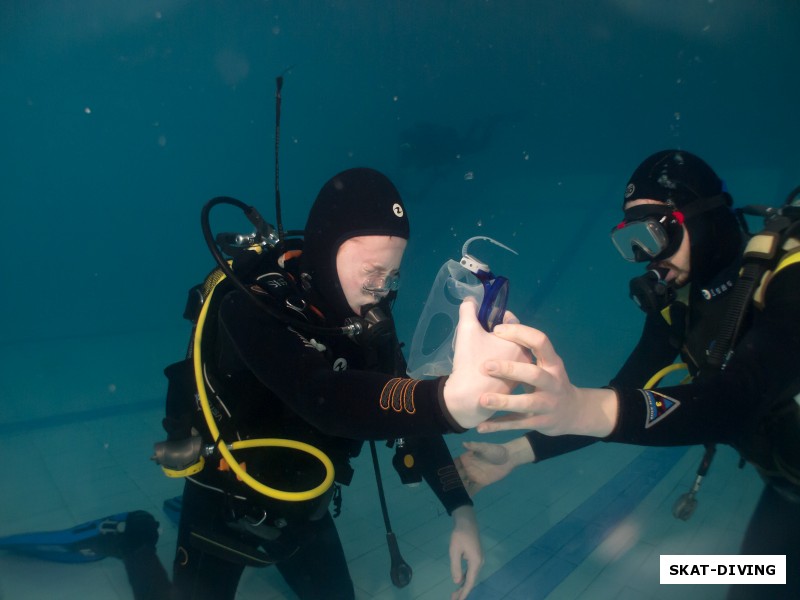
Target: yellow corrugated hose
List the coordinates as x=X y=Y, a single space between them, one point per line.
x=655 y=379
x=225 y=449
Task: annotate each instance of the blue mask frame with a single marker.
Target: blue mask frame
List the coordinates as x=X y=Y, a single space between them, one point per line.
x=495 y=298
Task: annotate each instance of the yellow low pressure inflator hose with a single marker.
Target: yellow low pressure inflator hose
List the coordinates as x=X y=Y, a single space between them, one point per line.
x=225 y=449
x=655 y=379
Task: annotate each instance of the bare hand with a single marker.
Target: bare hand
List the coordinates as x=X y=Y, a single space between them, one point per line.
x=553 y=405
x=465 y=545
x=482 y=465
x=473 y=346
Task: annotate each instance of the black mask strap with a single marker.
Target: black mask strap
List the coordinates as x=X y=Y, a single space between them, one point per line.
x=700 y=206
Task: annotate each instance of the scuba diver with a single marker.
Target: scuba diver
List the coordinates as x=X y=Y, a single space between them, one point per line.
x=733 y=315
x=277 y=365
x=292 y=393
x=293 y=359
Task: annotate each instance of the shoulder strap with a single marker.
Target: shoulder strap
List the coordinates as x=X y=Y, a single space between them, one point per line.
x=790 y=258
x=763 y=257
x=789 y=254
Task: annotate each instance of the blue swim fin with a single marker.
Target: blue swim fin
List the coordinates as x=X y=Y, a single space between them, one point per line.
x=115 y=535
x=90 y=541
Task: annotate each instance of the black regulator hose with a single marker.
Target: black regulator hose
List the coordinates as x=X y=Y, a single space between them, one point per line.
x=400 y=571
x=255 y=218
x=278 y=216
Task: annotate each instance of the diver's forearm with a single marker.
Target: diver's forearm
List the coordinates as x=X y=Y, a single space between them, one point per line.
x=598 y=414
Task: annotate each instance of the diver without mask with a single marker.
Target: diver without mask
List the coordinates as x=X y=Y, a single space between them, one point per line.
x=650 y=233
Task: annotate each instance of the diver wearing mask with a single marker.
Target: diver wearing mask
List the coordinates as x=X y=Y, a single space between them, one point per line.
x=677 y=220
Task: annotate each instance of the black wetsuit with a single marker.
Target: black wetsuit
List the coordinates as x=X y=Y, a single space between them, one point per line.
x=751 y=405
x=328 y=391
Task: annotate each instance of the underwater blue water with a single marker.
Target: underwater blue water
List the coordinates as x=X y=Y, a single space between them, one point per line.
x=520 y=120
x=120 y=121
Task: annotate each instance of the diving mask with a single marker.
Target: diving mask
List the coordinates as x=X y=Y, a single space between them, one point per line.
x=495 y=289
x=431 y=353
x=649 y=232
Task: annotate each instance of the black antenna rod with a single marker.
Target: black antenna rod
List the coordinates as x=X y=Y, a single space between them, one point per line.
x=278 y=219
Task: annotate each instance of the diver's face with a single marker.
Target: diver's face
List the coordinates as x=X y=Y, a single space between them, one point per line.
x=678 y=263
x=365 y=265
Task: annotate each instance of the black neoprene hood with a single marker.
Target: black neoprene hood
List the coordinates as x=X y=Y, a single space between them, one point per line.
x=673 y=176
x=355 y=202
x=687 y=183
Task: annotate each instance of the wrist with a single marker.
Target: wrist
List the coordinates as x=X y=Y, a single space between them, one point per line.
x=460 y=405
x=599 y=411
x=448 y=406
x=463 y=513
x=519 y=451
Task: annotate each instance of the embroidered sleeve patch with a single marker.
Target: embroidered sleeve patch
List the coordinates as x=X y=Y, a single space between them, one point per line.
x=398 y=395
x=449 y=478
x=658 y=406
